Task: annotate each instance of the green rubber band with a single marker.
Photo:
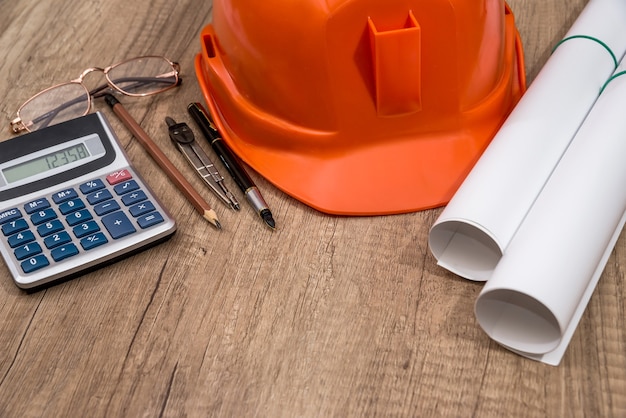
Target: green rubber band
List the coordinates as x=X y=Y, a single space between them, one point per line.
x=613 y=77
x=592 y=39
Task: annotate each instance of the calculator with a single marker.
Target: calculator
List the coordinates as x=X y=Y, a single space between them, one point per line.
x=70 y=202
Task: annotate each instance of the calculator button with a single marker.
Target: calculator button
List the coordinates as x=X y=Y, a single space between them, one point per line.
x=36 y=205
x=71 y=206
x=55 y=240
x=91 y=186
x=119 y=176
x=61 y=253
x=27 y=250
x=35 y=263
x=78 y=217
x=93 y=241
x=50 y=228
x=43 y=216
x=64 y=195
x=21 y=238
x=126 y=187
x=86 y=229
x=106 y=207
x=150 y=219
x=15 y=226
x=99 y=196
x=9 y=215
x=134 y=197
x=118 y=224
x=141 y=208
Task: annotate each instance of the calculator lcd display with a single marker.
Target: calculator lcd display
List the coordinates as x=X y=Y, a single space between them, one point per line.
x=46 y=162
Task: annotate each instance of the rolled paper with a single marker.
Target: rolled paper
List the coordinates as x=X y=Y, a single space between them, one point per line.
x=539 y=290
x=476 y=227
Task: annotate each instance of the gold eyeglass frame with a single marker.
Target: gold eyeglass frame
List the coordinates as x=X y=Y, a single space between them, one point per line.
x=17 y=125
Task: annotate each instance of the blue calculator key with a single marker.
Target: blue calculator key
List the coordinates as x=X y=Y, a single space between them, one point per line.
x=126 y=187
x=21 y=238
x=43 y=216
x=99 y=196
x=91 y=186
x=9 y=215
x=118 y=224
x=106 y=207
x=141 y=208
x=78 y=217
x=86 y=229
x=35 y=263
x=134 y=197
x=71 y=206
x=27 y=250
x=63 y=252
x=55 y=240
x=36 y=205
x=50 y=228
x=15 y=226
x=150 y=219
x=93 y=241
x=64 y=195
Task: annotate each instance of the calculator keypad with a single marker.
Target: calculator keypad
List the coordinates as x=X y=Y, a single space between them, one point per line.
x=55 y=228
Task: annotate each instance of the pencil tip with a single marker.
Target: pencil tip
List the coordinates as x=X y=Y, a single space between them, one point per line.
x=211 y=216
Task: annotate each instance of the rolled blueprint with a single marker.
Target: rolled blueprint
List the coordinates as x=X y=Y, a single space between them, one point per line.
x=476 y=227
x=542 y=284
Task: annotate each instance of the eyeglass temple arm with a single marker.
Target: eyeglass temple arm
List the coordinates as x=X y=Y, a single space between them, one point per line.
x=95 y=93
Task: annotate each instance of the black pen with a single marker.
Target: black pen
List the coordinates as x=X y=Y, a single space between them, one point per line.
x=231 y=162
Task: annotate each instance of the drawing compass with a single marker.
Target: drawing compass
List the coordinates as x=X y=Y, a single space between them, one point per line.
x=183 y=137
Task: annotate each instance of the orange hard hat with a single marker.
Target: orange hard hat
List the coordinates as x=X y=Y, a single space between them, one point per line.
x=361 y=107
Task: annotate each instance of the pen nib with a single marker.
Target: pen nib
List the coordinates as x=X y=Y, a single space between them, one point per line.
x=266 y=215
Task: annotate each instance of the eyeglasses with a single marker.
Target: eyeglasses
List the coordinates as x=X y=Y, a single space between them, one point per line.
x=138 y=77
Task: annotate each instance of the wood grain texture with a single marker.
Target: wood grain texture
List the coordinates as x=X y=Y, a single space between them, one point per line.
x=326 y=316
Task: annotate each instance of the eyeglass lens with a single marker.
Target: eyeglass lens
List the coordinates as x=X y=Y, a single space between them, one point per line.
x=143 y=76
x=137 y=77
x=55 y=105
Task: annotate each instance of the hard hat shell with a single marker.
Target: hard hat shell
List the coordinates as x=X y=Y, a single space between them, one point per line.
x=361 y=107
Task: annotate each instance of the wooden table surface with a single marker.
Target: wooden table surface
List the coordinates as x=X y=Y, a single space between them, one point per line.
x=325 y=316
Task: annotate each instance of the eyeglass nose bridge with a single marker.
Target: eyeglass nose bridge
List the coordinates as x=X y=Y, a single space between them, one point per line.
x=89 y=70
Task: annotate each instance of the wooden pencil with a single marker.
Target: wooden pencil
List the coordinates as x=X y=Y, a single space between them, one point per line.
x=161 y=159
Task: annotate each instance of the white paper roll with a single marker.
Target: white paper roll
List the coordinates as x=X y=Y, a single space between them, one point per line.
x=542 y=284
x=474 y=230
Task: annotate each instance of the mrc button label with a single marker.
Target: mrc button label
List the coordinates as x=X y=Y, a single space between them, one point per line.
x=9 y=215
